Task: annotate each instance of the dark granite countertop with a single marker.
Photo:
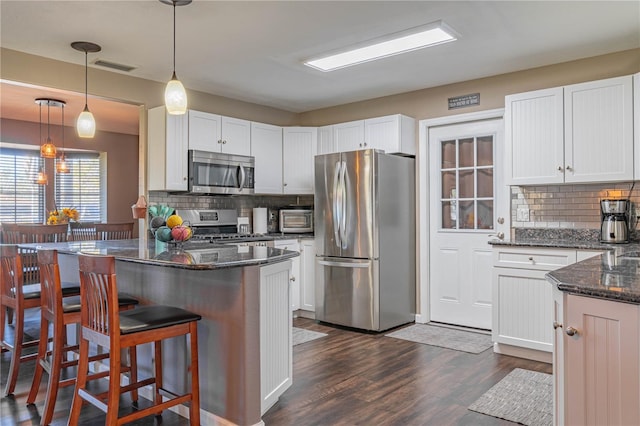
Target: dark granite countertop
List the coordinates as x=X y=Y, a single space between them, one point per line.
x=580 y=239
x=190 y=256
x=608 y=276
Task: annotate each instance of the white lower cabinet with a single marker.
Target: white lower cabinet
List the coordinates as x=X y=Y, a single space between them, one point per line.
x=276 y=354
x=523 y=310
x=294 y=272
x=307 y=273
x=596 y=361
x=303 y=291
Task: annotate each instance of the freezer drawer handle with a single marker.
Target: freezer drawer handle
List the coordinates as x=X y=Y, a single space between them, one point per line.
x=344 y=264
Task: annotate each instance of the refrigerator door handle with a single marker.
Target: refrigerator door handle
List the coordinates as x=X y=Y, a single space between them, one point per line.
x=336 y=203
x=345 y=203
x=344 y=264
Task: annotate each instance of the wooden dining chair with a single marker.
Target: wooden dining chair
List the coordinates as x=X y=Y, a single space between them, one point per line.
x=18 y=297
x=114 y=231
x=11 y=233
x=104 y=326
x=44 y=233
x=82 y=231
x=59 y=312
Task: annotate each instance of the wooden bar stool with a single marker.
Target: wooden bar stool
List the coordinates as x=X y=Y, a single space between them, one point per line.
x=114 y=231
x=60 y=312
x=44 y=233
x=104 y=326
x=82 y=231
x=18 y=297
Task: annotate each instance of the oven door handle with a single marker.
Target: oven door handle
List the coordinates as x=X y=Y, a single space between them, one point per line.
x=242 y=175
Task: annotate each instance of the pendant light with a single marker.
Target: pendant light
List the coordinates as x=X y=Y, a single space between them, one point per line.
x=47 y=149
x=41 y=177
x=86 y=124
x=61 y=163
x=175 y=96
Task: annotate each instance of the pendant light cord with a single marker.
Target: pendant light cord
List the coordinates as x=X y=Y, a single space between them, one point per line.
x=86 y=78
x=174 y=37
x=48 y=121
x=40 y=121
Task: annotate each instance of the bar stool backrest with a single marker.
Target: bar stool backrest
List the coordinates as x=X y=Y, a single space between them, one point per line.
x=50 y=285
x=44 y=233
x=114 y=231
x=99 y=298
x=11 y=284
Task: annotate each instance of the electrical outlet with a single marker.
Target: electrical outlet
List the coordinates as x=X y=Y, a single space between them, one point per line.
x=522 y=215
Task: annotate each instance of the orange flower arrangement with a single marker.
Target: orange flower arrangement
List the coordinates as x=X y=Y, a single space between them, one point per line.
x=63 y=215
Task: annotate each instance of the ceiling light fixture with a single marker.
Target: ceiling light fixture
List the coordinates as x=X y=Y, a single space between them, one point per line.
x=175 y=96
x=86 y=124
x=389 y=45
x=61 y=162
x=48 y=149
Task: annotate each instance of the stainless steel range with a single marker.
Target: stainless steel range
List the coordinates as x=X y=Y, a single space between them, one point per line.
x=217 y=226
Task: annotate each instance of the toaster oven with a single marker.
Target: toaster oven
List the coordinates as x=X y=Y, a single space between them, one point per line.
x=296 y=221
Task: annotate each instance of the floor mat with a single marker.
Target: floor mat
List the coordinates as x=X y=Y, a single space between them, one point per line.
x=445 y=337
x=523 y=396
x=300 y=335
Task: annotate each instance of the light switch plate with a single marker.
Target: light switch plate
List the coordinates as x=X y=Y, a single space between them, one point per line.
x=522 y=215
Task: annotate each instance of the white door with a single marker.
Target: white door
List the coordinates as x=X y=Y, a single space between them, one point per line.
x=466 y=194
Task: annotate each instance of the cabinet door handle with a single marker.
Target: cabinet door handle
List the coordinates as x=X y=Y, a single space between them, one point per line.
x=569 y=168
x=571 y=331
x=219 y=140
x=559 y=168
x=292 y=279
x=556 y=325
x=531 y=259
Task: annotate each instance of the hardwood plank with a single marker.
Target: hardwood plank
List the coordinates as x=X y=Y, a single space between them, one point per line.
x=345 y=378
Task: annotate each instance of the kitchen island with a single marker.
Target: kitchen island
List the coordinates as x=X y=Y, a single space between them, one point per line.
x=243 y=296
x=596 y=304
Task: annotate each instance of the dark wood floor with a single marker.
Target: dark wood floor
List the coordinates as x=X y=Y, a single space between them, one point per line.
x=346 y=378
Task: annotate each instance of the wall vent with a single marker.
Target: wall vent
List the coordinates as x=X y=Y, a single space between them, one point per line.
x=113 y=65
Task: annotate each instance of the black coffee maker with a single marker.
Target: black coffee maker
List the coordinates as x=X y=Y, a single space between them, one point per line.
x=614 y=215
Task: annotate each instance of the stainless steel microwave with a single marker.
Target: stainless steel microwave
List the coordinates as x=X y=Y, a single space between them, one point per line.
x=219 y=173
x=296 y=221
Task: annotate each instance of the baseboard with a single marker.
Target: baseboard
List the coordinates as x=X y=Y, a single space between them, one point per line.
x=532 y=354
x=304 y=314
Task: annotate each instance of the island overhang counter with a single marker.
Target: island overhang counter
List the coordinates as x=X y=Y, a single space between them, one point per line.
x=243 y=296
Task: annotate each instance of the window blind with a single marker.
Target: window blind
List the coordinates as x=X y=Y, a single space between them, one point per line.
x=21 y=199
x=81 y=187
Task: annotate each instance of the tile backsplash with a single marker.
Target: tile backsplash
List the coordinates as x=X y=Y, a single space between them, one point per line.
x=243 y=204
x=567 y=206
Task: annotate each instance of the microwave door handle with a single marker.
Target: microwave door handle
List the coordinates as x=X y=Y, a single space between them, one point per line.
x=336 y=204
x=343 y=219
x=242 y=174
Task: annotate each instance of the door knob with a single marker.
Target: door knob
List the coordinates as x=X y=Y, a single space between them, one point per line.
x=556 y=325
x=571 y=331
x=500 y=220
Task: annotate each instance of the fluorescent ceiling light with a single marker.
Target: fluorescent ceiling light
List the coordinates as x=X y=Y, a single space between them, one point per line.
x=394 y=44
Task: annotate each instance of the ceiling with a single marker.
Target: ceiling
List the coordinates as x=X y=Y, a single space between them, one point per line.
x=253 y=51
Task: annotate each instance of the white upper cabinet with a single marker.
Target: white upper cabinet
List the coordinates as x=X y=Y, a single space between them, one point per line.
x=326 y=144
x=217 y=133
x=392 y=134
x=598 y=130
x=349 y=136
x=167 y=151
x=577 y=133
x=534 y=137
x=204 y=131
x=236 y=136
x=299 y=147
x=266 y=148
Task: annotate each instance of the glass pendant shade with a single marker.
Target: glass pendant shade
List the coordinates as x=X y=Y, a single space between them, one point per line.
x=61 y=164
x=41 y=179
x=48 y=149
x=86 y=124
x=175 y=97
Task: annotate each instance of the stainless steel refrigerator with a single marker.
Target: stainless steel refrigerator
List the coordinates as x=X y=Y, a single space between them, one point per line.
x=365 y=239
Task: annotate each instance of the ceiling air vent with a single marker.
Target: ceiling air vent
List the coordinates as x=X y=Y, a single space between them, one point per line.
x=113 y=65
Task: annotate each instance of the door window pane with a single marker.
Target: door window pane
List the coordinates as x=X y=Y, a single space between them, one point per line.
x=466 y=154
x=467 y=183
x=448 y=154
